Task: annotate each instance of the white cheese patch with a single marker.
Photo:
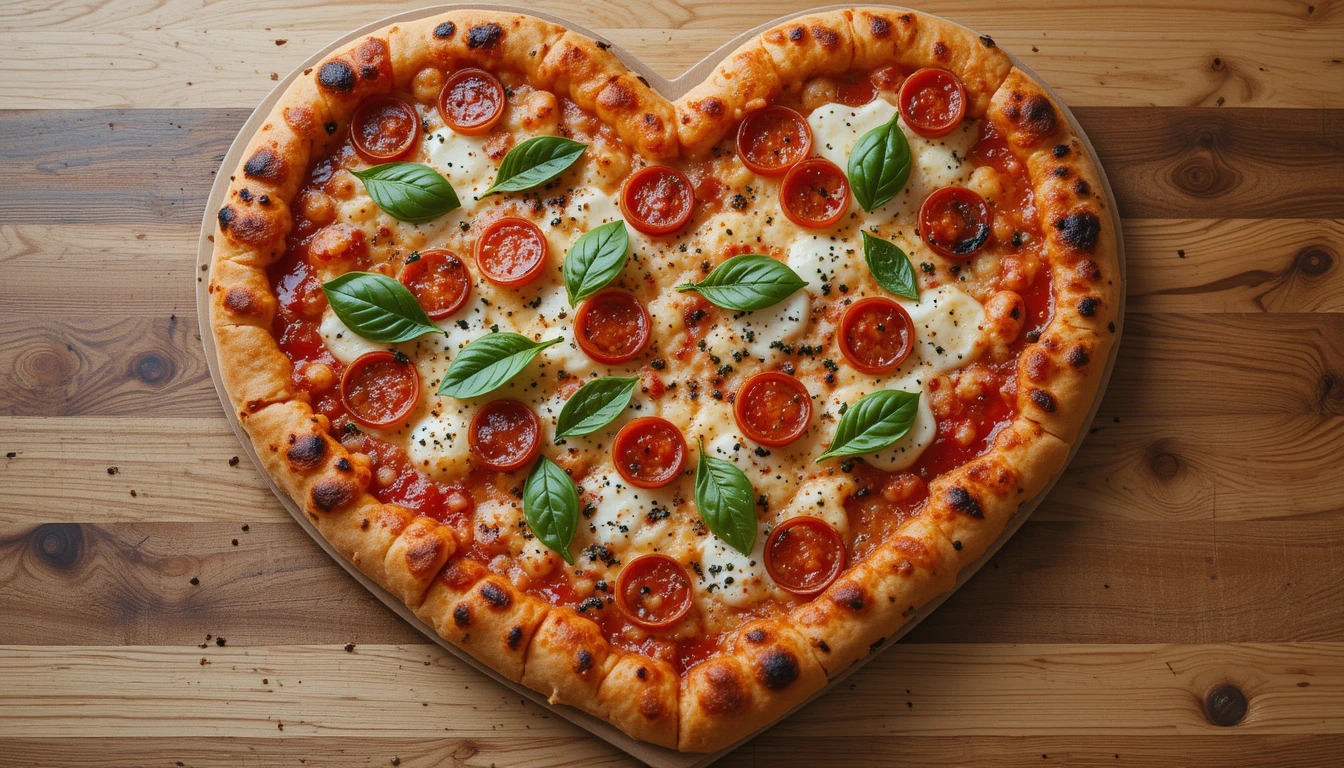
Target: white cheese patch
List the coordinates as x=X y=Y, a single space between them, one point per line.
x=591 y=208
x=821 y=259
x=761 y=335
x=344 y=344
x=822 y=496
x=630 y=521
x=730 y=577
x=949 y=328
x=437 y=444
x=465 y=163
x=907 y=450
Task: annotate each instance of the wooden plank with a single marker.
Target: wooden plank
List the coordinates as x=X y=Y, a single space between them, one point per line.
x=140 y=167
x=192 y=67
x=917 y=690
x=1175 y=266
x=1055 y=581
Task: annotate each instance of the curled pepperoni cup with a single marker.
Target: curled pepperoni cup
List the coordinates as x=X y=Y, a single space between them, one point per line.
x=504 y=435
x=379 y=390
x=955 y=222
x=772 y=140
x=612 y=326
x=658 y=200
x=815 y=193
x=654 y=591
x=772 y=408
x=472 y=101
x=804 y=555
x=649 y=452
x=384 y=128
x=511 y=252
x=439 y=280
x=932 y=101
x=876 y=335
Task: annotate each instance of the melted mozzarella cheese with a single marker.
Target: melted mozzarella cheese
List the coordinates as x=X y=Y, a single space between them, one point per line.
x=730 y=577
x=590 y=208
x=344 y=344
x=465 y=162
x=949 y=328
x=761 y=335
x=820 y=259
x=907 y=450
x=822 y=496
x=630 y=521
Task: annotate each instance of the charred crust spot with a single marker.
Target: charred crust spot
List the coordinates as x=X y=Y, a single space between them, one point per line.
x=1060 y=150
x=495 y=595
x=1039 y=116
x=849 y=596
x=828 y=37
x=265 y=165
x=1061 y=172
x=226 y=217
x=879 y=26
x=1082 y=188
x=336 y=76
x=724 y=692
x=756 y=635
x=907 y=18
x=256 y=228
x=484 y=36
x=330 y=128
x=711 y=107
x=1087 y=306
x=1088 y=270
x=514 y=638
x=796 y=34
x=1078 y=357
x=583 y=661
x=778 y=669
x=616 y=96
x=1043 y=400
x=423 y=554
x=241 y=301
x=940 y=49
x=642 y=673
x=987 y=41
x=462 y=615
x=962 y=501
x=823 y=647
x=445 y=30
x=369 y=72
x=1079 y=231
x=330 y=494
x=343 y=465
x=307 y=452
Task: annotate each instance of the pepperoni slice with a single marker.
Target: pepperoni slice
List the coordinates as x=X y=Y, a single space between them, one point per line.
x=855 y=89
x=955 y=222
x=439 y=280
x=612 y=326
x=378 y=389
x=804 y=555
x=505 y=435
x=649 y=452
x=472 y=101
x=876 y=335
x=772 y=408
x=658 y=200
x=771 y=140
x=815 y=193
x=384 y=128
x=511 y=252
x=932 y=101
x=654 y=591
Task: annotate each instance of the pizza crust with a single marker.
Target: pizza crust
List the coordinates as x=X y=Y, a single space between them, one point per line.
x=769 y=666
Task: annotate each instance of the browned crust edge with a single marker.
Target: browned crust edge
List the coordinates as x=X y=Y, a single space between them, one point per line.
x=773 y=665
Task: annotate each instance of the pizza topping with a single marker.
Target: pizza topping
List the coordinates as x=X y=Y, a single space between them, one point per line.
x=955 y=222
x=377 y=308
x=379 y=389
x=488 y=363
x=595 y=259
x=890 y=266
x=654 y=591
x=612 y=326
x=511 y=252
x=535 y=162
x=876 y=335
x=804 y=554
x=384 y=128
x=772 y=140
x=772 y=408
x=595 y=405
x=649 y=452
x=855 y=89
x=726 y=501
x=551 y=506
x=472 y=101
x=815 y=193
x=658 y=200
x=873 y=423
x=747 y=282
x=505 y=435
x=879 y=164
x=933 y=102
x=410 y=192
x=439 y=280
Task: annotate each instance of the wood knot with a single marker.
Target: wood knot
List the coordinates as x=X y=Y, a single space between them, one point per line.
x=59 y=544
x=466 y=750
x=1225 y=706
x=1164 y=464
x=1204 y=177
x=1315 y=260
x=152 y=369
x=1330 y=394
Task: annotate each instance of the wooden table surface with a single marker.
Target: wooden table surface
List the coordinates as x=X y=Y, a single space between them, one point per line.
x=159 y=607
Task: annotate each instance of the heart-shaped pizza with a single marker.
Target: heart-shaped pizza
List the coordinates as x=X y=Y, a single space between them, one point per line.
x=667 y=410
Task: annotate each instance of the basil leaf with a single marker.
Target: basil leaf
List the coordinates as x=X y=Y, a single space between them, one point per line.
x=879 y=165
x=747 y=282
x=595 y=405
x=488 y=363
x=551 y=506
x=535 y=162
x=410 y=192
x=891 y=266
x=873 y=423
x=726 y=501
x=595 y=259
x=377 y=308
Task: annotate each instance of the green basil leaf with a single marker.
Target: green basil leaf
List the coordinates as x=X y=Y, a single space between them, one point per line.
x=747 y=282
x=488 y=363
x=595 y=259
x=551 y=506
x=873 y=423
x=879 y=165
x=595 y=405
x=377 y=308
x=891 y=266
x=410 y=192
x=726 y=501
x=535 y=162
